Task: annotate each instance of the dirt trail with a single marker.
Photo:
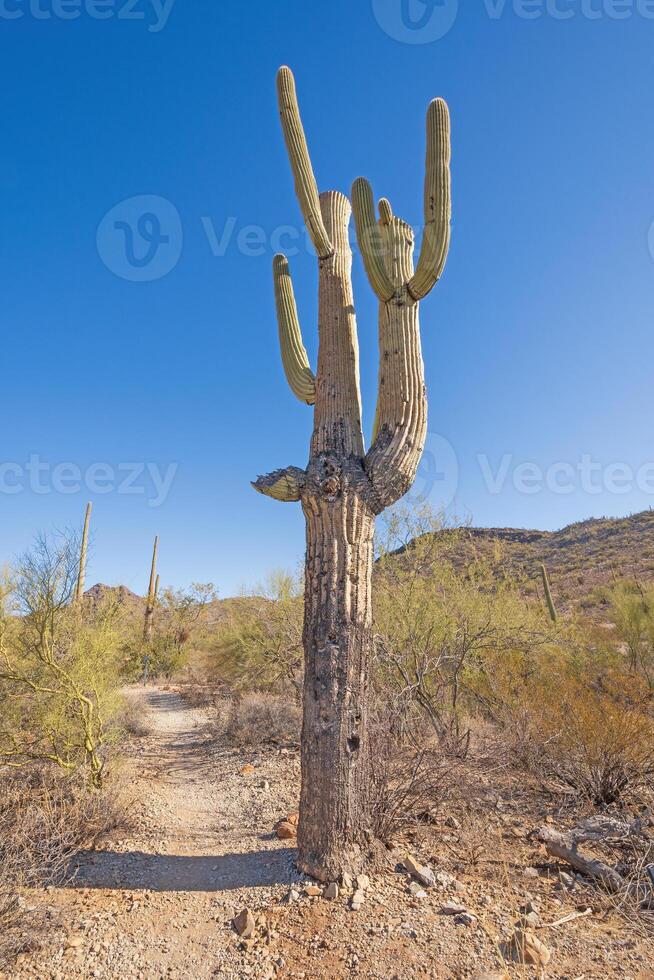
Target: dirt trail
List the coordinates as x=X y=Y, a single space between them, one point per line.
x=159 y=903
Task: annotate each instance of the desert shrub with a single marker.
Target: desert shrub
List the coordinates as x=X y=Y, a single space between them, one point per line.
x=437 y=624
x=259 y=646
x=180 y=616
x=179 y=622
x=632 y=610
x=59 y=666
x=45 y=819
x=258 y=718
x=594 y=741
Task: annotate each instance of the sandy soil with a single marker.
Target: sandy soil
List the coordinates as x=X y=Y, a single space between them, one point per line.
x=159 y=903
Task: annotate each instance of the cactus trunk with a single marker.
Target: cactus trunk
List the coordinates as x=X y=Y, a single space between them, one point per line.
x=81 y=575
x=152 y=592
x=334 y=828
x=551 y=608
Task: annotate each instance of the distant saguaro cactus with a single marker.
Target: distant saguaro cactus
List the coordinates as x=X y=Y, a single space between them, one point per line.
x=79 y=589
x=152 y=594
x=548 y=593
x=343 y=488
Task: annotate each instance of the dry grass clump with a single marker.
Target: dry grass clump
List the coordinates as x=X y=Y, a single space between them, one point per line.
x=45 y=818
x=408 y=788
x=259 y=718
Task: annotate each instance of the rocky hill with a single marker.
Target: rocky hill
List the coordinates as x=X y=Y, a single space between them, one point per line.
x=580 y=558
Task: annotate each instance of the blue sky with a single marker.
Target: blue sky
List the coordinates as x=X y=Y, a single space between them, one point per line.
x=537 y=342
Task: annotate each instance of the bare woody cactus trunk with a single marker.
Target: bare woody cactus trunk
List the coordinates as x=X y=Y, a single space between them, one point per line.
x=343 y=488
x=152 y=594
x=81 y=576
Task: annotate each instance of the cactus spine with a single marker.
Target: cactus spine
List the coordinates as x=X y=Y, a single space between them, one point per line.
x=548 y=594
x=343 y=488
x=152 y=594
x=81 y=576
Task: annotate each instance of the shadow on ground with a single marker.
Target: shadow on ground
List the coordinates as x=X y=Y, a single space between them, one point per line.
x=178 y=873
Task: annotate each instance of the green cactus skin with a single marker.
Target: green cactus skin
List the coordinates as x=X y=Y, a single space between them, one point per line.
x=548 y=594
x=386 y=246
x=438 y=202
x=296 y=144
x=370 y=238
x=294 y=356
x=81 y=577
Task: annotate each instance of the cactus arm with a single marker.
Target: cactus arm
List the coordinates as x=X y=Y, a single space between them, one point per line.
x=438 y=202
x=294 y=356
x=401 y=416
x=285 y=485
x=79 y=590
x=370 y=239
x=296 y=144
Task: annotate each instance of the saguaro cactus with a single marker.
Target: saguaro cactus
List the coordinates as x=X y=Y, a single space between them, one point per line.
x=551 y=608
x=81 y=576
x=152 y=594
x=343 y=488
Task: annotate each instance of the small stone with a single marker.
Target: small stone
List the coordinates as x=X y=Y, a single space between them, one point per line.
x=285 y=830
x=244 y=924
x=75 y=942
x=247 y=769
x=358 y=899
x=312 y=890
x=453 y=823
x=424 y=874
x=294 y=895
x=453 y=908
x=529 y=919
x=331 y=891
x=444 y=880
x=465 y=919
x=346 y=881
x=417 y=890
x=363 y=883
x=530 y=873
